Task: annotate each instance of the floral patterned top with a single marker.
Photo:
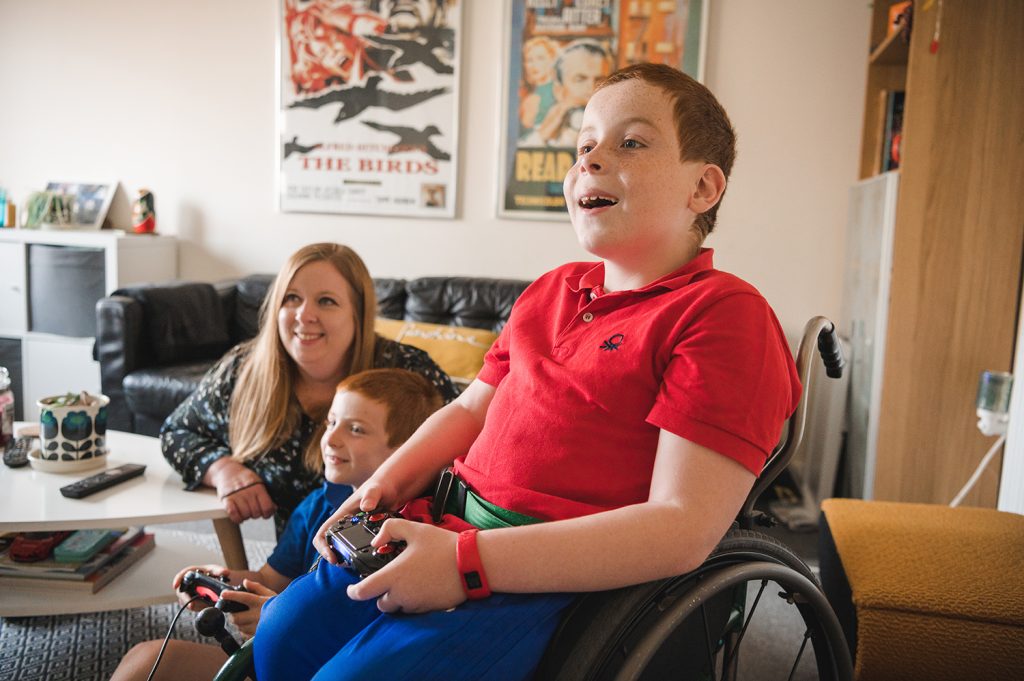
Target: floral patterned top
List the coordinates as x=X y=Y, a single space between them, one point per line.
x=196 y=433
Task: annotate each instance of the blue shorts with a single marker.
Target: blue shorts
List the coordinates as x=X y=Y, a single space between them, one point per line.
x=313 y=630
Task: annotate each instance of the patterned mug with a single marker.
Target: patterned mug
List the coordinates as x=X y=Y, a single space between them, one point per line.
x=73 y=427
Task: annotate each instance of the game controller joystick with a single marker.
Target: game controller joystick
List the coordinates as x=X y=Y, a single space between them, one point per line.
x=350 y=538
x=209 y=588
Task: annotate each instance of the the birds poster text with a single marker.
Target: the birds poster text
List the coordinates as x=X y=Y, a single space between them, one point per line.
x=558 y=51
x=368 y=119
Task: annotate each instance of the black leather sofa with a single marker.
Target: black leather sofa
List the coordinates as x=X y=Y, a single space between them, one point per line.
x=155 y=342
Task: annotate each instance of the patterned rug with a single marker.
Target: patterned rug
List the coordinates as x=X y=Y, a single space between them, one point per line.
x=89 y=646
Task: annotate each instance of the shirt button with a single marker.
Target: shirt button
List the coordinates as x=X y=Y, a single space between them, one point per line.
x=588 y=317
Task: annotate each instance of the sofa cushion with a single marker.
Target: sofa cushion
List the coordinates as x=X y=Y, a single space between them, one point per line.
x=250 y=293
x=463 y=301
x=390 y=297
x=157 y=391
x=184 y=321
x=458 y=350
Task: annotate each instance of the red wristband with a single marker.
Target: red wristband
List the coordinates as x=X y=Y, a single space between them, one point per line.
x=471 y=569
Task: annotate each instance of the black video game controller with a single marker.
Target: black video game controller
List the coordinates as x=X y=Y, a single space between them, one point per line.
x=350 y=538
x=209 y=588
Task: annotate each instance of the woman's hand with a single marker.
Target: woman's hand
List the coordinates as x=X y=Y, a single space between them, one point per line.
x=371 y=495
x=257 y=597
x=423 y=578
x=240 y=489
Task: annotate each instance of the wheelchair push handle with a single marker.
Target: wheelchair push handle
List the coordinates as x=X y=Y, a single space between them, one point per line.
x=831 y=351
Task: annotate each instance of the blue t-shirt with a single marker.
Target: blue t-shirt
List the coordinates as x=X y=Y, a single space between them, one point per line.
x=294 y=552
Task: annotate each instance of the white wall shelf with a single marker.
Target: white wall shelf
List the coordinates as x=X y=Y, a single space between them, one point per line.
x=54 y=363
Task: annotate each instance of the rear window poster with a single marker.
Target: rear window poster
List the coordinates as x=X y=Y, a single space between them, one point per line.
x=558 y=50
x=368 y=118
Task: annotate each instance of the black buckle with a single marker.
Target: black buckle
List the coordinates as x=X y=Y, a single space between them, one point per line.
x=441 y=493
x=448 y=484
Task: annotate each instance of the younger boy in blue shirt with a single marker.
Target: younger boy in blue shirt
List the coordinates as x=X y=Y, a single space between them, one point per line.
x=373 y=412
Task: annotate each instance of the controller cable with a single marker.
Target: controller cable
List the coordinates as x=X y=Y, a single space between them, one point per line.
x=167 y=638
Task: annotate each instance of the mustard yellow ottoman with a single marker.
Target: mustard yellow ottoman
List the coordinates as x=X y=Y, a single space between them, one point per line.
x=937 y=593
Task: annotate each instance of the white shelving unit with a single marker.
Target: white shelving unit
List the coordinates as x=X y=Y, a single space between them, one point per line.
x=146 y=583
x=53 y=363
x=30 y=501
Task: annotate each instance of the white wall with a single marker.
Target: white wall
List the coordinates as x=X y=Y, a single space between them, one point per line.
x=179 y=97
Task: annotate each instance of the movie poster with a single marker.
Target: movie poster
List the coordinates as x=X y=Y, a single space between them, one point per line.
x=368 y=117
x=558 y=51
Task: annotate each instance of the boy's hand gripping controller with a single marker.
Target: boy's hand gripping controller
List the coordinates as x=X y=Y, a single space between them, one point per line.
x=209 y=588
x=350 y=538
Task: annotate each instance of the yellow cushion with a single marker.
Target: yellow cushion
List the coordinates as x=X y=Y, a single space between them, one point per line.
x=458 y=350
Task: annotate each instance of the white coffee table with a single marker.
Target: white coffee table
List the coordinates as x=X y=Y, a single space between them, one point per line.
x=30 y=501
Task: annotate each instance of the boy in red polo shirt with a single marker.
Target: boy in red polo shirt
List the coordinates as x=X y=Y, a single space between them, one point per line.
x=625 y=411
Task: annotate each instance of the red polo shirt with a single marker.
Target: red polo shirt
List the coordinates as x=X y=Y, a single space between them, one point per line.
x=586 y=380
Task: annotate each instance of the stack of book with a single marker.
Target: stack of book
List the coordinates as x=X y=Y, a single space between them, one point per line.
x=88 y=575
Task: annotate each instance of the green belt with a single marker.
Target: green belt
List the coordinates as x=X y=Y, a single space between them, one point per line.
x=483 y=514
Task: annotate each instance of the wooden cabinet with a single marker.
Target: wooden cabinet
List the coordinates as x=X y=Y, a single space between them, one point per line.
x=957 y=242
x=47 y=302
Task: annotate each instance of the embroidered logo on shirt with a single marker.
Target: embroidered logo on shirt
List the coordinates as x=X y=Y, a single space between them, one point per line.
x=614 y=342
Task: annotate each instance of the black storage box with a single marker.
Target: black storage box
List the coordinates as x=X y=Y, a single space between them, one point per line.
x=64 y=284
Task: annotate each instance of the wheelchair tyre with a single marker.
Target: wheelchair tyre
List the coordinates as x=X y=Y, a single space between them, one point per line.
x=675 y=628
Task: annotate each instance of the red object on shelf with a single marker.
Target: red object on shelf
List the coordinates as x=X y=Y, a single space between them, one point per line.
x=147 y=226
x=144 y=213
x=29 y=547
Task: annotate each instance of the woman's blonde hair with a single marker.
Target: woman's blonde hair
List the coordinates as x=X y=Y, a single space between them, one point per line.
x=263 y=412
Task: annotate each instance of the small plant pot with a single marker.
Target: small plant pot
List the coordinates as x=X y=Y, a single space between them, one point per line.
x=73 y=433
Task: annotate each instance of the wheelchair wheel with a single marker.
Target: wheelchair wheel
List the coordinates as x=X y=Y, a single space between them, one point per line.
x=697 y=626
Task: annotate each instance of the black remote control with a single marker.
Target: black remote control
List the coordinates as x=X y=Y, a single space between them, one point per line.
x=101 y=481
x=209 y=588
x=16 y=451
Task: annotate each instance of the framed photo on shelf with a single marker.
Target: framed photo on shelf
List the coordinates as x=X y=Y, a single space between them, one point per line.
x=368 y=115
x=90 y=201
x=555 y=54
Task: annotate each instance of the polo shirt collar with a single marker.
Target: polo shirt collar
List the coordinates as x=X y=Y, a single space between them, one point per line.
x=592 y=281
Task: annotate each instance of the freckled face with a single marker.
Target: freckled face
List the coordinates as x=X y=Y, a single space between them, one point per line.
x=316 y=321
x=355 y=443
x=628 y=192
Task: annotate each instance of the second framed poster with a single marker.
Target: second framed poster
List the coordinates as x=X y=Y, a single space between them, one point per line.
x=368 y=107
x=556 y=52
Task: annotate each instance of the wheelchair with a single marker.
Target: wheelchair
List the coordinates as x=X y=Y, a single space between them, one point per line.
x=694 y=626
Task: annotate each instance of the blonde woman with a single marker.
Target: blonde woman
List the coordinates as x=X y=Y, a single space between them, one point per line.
x=245 y=430
x=539 y=55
